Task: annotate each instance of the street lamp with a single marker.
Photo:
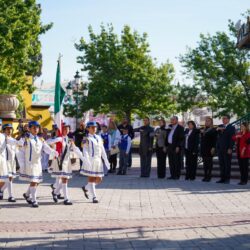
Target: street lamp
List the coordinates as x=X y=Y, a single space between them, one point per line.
x=69 y=90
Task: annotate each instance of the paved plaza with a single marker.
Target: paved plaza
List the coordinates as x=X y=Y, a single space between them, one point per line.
x=133 y=213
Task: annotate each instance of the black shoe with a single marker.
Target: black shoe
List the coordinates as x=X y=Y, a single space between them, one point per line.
x=227 y=182
x=124 y=173
x=67 y=202
x=95 y=200
x=60 y=197
x=85 y=191
x=52 y=187
x=11 y=199
x=34 y=204
x=170 y=178
x=220 y=181
x=54 y=197
x=27 y=198
x=119 y=173
x=187 y=178
x=242 y=183
x=110 y=171
x=204 y=179
x=1 y=195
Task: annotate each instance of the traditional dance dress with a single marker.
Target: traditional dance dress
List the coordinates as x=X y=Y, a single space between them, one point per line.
x=94 y=157
x=3 y=164
x=11 y=161
x=62 y=166
x=30 y=162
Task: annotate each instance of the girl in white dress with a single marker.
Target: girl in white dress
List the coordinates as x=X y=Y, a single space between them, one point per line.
x=11 y=162
x=31 y=171
x=62 y=167
x=3 y=163
x=94 y=157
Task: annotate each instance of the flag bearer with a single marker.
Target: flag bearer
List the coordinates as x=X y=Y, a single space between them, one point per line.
x=62 y=167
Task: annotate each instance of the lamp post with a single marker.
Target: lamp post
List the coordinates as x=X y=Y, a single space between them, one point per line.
x=77 y=83
x=76 y=89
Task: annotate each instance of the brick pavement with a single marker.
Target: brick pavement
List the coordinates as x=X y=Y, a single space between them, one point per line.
x=133 y=213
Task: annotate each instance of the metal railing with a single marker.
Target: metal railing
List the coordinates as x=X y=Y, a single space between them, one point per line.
x=238 y=122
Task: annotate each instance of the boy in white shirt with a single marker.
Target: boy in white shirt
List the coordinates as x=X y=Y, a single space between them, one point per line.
x=124 y=145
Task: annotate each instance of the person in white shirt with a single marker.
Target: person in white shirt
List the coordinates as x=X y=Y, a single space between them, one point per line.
x=106 y=137
x=94 y=157
x=11 y=163
x=3 y=163
x=124 y=146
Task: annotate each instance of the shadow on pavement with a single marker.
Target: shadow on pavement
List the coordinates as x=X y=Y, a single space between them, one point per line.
x=134 y=238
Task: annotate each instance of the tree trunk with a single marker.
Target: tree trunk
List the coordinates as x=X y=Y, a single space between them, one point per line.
x=128 y=115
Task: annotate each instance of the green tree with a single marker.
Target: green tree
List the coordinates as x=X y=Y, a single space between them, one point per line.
x=220 y=74
x=123 y=77
x=20 y=47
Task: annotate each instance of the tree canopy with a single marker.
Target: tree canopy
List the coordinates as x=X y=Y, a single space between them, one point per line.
x=122 y=75
x=220 y=73
x=20 y=47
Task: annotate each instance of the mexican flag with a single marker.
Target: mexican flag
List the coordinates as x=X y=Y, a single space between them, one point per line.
x=58 y=107
x=59 y=95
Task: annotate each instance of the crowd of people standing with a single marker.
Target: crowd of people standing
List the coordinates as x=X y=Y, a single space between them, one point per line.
x=97 y=146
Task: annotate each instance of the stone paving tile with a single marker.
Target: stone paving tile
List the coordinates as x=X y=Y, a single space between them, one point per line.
x=133 y=213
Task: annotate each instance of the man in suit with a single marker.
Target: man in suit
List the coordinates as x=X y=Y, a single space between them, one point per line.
x=225 y=147
x=146 y=146
x=174 y=142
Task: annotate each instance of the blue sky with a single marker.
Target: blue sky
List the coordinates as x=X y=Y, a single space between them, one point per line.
x=171 y=26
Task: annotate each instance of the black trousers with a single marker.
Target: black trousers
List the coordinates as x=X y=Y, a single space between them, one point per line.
x=145 y=160
x=174 y=162
x=113 y=161
x=225 y=165
x=208 y=167
x=191 y=164
x=244 y=164
x=161 y=162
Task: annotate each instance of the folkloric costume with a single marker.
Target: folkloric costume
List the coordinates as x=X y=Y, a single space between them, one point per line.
x=11 y=165
x=62 y=167
x=3 y=164
x=94 y=157
x=30 y=162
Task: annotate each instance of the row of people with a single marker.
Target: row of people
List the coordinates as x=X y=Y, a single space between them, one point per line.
x=174 y=142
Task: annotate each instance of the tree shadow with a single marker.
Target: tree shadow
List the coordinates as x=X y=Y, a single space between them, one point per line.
x=127 y=238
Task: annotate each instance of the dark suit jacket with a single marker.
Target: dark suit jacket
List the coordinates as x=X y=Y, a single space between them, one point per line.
x=146 y=138
x=208 y=141
x=193 y=140
x=178 y=137
x=225 y=138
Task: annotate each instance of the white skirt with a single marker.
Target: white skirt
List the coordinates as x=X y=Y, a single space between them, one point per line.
x=93 y=167
x=31 y=173
x=66 y=171
x=11 y=164
x=3 y=169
